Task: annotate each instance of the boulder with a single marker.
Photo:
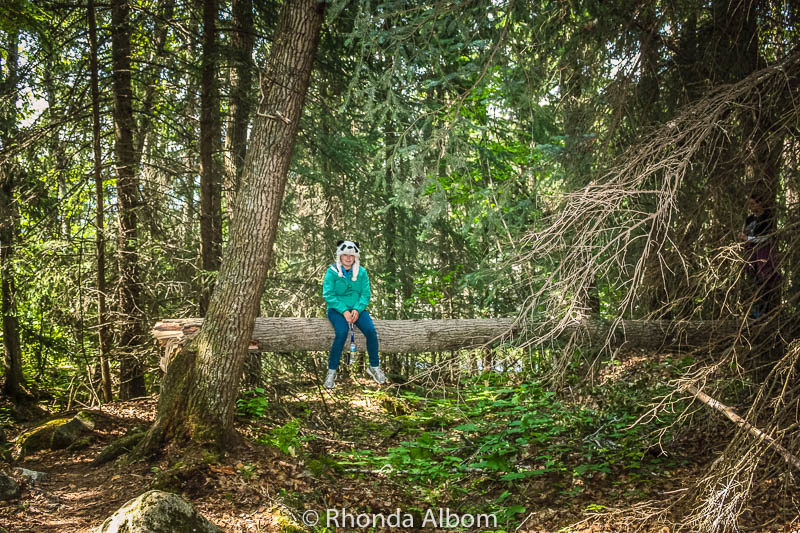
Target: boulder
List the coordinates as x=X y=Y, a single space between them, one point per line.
x=9 y=489
x=67 y=434
x=56 y=434
x=81 y=444
x=157 y=512
x=38 y=438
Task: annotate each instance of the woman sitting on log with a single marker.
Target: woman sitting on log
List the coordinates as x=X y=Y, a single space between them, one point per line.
x=346 y=291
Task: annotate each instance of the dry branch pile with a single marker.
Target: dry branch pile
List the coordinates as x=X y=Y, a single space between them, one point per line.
x=659 y=230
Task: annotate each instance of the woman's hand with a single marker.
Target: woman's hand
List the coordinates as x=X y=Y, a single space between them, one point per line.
x=354 y=314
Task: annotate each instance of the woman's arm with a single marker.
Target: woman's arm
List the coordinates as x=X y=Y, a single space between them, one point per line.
x=329 y=291
x=364 y=297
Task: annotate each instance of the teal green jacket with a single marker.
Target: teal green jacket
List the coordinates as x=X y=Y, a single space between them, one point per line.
x=344 y=294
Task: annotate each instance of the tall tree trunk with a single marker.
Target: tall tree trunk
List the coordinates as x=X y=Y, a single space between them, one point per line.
x=687 y=58
x=152 y=76
x=391 y=240
x=130 y=320
x=59 y=159
x=241 y=81
x=202 y=382
x=103 y=331
x=151 y=176
x=647 y=90
x=210 y=174
x=14 y=382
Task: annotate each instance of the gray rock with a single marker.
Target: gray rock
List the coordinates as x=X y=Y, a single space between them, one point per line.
x=9 y=489
x=38 y=438
x=81 y=444
x=56 y=434
x=87 y=419
x=66 y=434
x=157 y=512
x=31 y=475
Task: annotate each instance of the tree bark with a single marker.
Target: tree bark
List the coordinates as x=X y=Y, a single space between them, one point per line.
x=130 y=308
x=415 y=336
x=200 y=387
x=210 y=172
x=241 y=82
x=103 y=331
x=13 y=385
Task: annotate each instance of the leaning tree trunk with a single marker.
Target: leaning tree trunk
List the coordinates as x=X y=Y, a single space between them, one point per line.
x=131 y=373
x=199 y=390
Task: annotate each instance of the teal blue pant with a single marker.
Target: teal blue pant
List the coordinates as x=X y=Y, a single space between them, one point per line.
x=342 y=330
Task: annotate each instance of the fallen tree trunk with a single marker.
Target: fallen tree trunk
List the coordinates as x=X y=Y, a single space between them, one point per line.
x=414 y=336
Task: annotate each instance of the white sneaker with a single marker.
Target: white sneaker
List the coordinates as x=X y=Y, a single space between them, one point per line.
x=377 y=374
x=330 y=379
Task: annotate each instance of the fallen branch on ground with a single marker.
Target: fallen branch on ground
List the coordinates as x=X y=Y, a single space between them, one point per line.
x=741 y=422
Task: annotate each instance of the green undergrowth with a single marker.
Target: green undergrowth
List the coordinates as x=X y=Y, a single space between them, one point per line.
x=491 y=441
x=496 y=443
x=288 y=437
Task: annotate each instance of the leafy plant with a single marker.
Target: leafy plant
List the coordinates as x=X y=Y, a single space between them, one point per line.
x=287 y=438
x=253 y=404
x=247 y=471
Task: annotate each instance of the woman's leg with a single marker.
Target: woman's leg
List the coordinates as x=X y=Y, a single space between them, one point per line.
x=340 y=329
x=366 y=326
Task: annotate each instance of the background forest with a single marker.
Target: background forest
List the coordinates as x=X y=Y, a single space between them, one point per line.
x=558 y=163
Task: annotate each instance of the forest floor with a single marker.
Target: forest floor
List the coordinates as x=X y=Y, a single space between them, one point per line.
x=282 y=469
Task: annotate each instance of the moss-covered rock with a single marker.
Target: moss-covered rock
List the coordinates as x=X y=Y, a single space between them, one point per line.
x=157 y=512
x=87 y=418
x=9 y=489
x=81 y=444
x=38 y=438
x=66 y=434
x=56 y=434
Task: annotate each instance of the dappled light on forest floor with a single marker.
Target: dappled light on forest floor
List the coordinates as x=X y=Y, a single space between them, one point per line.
x=533 y=459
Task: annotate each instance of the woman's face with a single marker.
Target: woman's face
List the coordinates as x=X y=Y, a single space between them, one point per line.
x=348 y=260
x=755 y=206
